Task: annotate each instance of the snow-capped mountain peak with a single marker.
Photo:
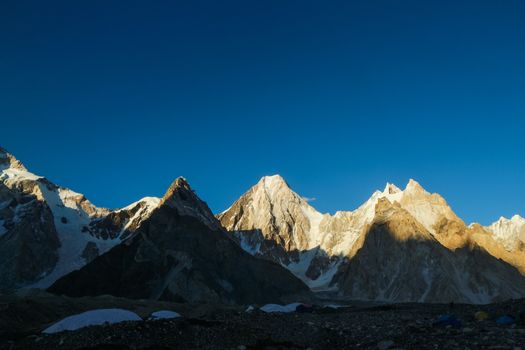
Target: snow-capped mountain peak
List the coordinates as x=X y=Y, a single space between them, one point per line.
x=414 y=186
x=271 y=211
x=273 y=186
x=319 y=242
x=509 y=232
x=8 y=161
x=59 y=229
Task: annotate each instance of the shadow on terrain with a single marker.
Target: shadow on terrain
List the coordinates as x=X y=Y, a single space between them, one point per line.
x=389 y=268
x=178 y=258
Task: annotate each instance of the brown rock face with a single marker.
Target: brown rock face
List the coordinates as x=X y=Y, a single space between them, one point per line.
x=180 y=254
x=273 y=222
x=278 y=213
x=399 y=260
x=325 y=251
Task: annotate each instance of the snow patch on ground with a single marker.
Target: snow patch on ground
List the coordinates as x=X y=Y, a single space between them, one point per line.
x=164 y=315
x=269 y=308
x=335 y=306
x=249 y=309
x=92 y=318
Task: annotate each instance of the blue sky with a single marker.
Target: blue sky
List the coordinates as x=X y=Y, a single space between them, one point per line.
x=116 y=99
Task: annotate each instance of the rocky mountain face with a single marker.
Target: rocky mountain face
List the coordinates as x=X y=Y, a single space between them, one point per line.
x=509 y=232
x=400 y=245
x=181 y=253
x=400 y=260
x=272 y=221
x=47 y=231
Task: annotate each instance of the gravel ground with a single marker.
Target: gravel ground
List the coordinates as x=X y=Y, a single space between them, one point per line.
x=400 y=326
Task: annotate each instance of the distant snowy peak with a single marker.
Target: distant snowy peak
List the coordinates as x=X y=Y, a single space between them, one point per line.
x=509 y=232
x=274 y=190
x=273 y=186
x=272 y=221
x=57 y=229
x=8 y=161
x=273 y=212
x=431 y=210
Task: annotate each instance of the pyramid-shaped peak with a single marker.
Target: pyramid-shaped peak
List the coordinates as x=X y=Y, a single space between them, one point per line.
x=7 y=160
x=273 y=180
x=181 y=197
x=414 y=186
x=179 y=188
x=181 y=182
x=273 y=184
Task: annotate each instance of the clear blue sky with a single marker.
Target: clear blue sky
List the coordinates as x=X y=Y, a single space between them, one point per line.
x=116 y=99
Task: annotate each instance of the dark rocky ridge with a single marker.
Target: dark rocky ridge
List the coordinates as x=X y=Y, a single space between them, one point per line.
x=182 y=254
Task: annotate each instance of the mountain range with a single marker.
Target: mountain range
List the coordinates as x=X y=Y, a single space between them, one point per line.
x=270 y=245
x=400 y=245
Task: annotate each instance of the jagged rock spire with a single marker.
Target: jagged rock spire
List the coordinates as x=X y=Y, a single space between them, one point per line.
x=181 y=196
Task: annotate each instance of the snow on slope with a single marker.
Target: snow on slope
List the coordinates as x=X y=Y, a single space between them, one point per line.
x=72 y=215
x=276 y=308
x=317 y=244
x=164 y=315
x=509 y=232
x=69 y=219
x=92 y=318
x=73 y=239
